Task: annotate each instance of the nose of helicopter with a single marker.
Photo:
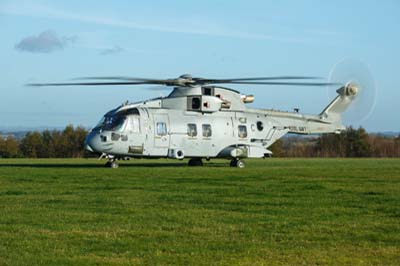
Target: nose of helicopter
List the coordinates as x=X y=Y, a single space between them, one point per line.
x=92 y=142
x=87 y=147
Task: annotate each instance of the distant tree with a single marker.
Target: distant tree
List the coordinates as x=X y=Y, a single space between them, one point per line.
x=331 y=145
x=74 y=139
x=69 y=142
x=79 y=140
x=2 y=146
x=397 y=146
x=60 y=145
x=9 y=147
x=357 y=143
x=48 y=144
x=32 y=145
x=55 y=144
x=351 y=143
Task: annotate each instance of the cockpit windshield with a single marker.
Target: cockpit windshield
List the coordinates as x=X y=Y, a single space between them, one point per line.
x=114 y=123
x=126 y=120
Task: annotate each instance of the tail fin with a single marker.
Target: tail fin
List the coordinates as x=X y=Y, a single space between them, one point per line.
x=347 y=95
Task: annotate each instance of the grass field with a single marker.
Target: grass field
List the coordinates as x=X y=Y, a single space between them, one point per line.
x=161 y=212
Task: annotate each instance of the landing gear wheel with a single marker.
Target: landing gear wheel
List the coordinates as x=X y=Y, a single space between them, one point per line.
x=237 y=163
x=195 y=162
x=112 y=164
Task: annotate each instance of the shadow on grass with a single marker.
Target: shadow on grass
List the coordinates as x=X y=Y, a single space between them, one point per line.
x=88 y=165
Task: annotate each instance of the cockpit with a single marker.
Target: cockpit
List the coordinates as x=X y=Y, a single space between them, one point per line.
x=125 y=120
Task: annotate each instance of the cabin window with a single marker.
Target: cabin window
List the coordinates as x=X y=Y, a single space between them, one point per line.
x=242 y=132
x=161 y=129
x=207 y=130
x=192 y=130
x=260 y=125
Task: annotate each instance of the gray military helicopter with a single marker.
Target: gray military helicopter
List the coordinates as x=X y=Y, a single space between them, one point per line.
x=200 y=119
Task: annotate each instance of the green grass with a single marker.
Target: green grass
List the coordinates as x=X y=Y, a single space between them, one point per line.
x=159 y=212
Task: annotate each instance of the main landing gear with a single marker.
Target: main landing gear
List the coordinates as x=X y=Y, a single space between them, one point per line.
x=195 y=162
x=112 y=164
x=237 y=163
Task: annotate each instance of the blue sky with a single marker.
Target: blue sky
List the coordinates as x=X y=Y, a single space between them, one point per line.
x=47 y=41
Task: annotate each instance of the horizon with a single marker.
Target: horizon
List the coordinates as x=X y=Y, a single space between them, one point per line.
x=45 y=41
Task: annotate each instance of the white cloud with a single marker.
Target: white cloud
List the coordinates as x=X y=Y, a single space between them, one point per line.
x=45 y=42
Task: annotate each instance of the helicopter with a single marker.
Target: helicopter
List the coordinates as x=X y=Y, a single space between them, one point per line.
x=200 y=119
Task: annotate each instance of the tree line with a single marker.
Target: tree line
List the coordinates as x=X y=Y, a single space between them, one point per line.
x=350 y=143
x=69 y=143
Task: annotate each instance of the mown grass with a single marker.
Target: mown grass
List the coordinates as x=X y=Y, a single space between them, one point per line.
x=161 y=212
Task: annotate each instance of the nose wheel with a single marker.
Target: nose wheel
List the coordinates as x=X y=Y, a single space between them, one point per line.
x=237 y=163
x=112 y=164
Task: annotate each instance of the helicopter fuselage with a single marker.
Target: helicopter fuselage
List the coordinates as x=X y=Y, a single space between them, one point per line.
x=199 y=122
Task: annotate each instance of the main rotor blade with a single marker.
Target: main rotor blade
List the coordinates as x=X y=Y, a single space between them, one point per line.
x=122 y=78
x=199 y=80
x=288 y=83
x=256 y=78
x=88 y=84
x=152 y=83
x=185 y=81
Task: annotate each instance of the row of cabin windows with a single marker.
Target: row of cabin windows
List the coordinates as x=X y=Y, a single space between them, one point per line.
x=192 y=130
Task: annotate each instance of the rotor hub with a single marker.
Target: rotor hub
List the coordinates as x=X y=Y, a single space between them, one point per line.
x=351 y=89
x=186 y=76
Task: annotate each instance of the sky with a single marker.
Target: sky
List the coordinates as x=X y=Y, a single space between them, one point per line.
x=55 y=41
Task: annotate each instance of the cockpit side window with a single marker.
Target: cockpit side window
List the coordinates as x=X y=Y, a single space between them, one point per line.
x=134 y=123
x=121 y=121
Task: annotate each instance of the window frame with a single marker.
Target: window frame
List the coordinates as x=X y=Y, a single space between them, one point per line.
x=164 y=129
x=242 y=134
x=190 y=130
x=206 y=128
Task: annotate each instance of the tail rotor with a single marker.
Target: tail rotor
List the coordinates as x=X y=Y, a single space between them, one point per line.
x=360 y=89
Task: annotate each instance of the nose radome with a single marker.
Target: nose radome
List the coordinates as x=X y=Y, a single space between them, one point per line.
x=92 y=142
x=87 y=147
